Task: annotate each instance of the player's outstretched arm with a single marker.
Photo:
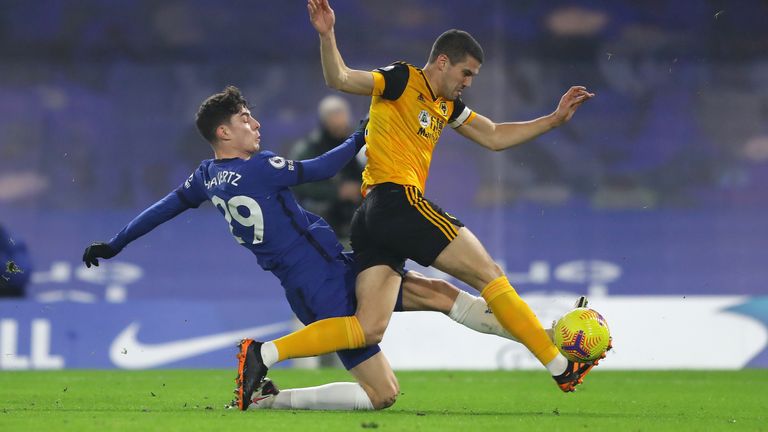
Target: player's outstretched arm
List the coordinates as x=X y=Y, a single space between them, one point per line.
x=337 y=74
x=160 y=212
x=331 y=162
x=501 y=136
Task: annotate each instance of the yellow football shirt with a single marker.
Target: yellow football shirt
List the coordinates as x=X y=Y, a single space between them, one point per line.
x=406 y=120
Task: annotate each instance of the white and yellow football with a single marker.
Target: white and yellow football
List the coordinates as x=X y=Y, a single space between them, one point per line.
x=582 y=335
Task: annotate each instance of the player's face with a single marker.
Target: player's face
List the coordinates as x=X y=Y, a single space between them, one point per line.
x=459 y=76
x=245 y=131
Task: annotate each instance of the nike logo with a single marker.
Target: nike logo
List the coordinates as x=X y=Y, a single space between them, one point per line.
x=128 y=353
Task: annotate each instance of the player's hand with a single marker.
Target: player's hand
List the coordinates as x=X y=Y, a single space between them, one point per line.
x=321 y=15
x=95 y=251
x=571 y=100
x=359 y=133
x=363 y=124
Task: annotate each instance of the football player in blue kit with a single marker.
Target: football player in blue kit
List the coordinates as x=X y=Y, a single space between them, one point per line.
x=251 y=190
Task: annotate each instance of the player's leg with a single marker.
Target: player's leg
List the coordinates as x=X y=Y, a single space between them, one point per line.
x=340 y=396
x=421 y=293
x=326 y=309
x=443 y=242
x=466 y=259
x=318 y=338
x=380 y=269
x=435 y=238
x=377 y=378
x=376 y=388
x=376 y=290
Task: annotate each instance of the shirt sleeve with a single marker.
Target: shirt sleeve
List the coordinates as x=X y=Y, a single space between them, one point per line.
x=389 y=82
x=283 y=172
x=461 y=114
x=192 y=191
x=188 y=195
x=160 y=212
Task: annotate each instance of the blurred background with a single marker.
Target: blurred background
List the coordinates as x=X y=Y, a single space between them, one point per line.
x=652 y=199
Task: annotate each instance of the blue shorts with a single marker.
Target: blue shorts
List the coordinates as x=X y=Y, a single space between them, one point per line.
x=334 y=297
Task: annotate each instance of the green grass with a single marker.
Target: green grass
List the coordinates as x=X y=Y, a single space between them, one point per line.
x=431 y=401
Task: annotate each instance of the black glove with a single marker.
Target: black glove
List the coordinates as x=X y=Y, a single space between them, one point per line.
x=363 y=124
x=97 y=250
x=361 y=130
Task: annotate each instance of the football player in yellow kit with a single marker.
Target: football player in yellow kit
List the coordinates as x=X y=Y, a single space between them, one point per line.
x=410 y=107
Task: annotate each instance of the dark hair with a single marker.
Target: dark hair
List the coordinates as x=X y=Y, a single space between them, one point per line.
x=217 y=109
x=456 y=44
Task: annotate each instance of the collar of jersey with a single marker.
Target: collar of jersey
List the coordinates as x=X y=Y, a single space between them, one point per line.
x=429 y=87
x=217 y=161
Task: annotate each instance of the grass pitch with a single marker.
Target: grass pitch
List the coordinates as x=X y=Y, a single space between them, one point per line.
x=173 y=400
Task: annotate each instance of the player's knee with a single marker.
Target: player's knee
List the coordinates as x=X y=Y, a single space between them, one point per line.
x=490 y=271
x=443 y=286
x=386 y=402
x=374 y=331
x=374 y=335
x=495 y=270
x=385 y=398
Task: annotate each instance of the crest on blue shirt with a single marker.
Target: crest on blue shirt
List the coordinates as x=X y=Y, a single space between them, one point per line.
x=277 y=162
x=188 y=183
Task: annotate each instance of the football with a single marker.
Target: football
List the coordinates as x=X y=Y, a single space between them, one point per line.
x=582 y=335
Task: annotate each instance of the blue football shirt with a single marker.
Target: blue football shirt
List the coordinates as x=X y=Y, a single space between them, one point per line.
x=260 y=210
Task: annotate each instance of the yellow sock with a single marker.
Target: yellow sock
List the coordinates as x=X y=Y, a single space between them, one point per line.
x=321 y=337
x=517 y=318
